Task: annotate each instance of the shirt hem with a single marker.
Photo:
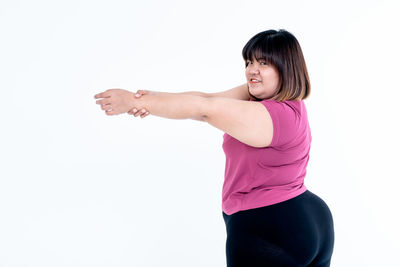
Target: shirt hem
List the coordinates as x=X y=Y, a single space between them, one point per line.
x=266 y=203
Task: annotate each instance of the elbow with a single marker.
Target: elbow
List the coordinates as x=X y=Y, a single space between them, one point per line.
x=199 y=118
x=205 y=108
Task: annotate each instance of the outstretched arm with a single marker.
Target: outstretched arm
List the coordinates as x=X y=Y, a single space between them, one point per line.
x=240 y=92
x=247 y=121
x=172 y=105
x=169 y=105
x=233 y=116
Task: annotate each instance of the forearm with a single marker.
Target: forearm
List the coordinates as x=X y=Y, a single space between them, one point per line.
x=172 y=105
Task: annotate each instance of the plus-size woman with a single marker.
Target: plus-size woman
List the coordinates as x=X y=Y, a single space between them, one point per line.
x=271 y=218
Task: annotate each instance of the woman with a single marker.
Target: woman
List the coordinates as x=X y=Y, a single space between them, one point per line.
x=271 y=218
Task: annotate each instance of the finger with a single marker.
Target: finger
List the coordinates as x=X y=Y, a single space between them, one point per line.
x=102 y=95
x=140 y=112
x=110 y=112
x=142 y=92
x=106 y=107
x=103 y=102
x=143 y=113
x=133 y=111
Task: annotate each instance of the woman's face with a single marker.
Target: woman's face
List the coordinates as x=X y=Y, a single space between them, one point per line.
x=267 y=77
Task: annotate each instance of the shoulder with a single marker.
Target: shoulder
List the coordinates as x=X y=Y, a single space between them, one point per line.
x=289 y=119
x=246 y=121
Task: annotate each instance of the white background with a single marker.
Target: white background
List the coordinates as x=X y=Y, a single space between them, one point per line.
x=80 y=188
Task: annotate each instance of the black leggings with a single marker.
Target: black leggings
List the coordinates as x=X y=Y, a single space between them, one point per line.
x=295 y=232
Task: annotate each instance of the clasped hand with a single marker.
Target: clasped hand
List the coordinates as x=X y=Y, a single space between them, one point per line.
x=118 y=101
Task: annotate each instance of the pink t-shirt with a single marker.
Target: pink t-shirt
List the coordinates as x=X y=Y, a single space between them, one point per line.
x=257 y=177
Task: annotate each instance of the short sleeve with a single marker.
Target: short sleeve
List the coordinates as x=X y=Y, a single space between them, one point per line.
x=285 y=119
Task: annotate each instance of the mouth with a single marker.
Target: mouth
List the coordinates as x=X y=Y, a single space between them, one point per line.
x=254 y=81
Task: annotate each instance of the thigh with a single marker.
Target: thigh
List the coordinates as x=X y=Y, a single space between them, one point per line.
x=247 y=250
x=325 y=225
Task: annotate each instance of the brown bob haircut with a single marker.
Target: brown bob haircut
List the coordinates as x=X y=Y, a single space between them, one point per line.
x=281 y=50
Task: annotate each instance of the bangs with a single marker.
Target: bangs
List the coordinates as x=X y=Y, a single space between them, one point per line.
x=258 y=49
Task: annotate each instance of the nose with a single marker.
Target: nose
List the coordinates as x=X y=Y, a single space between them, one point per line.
x=253 y=68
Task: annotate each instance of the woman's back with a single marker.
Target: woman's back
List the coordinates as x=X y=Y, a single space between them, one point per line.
x=256 y=177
